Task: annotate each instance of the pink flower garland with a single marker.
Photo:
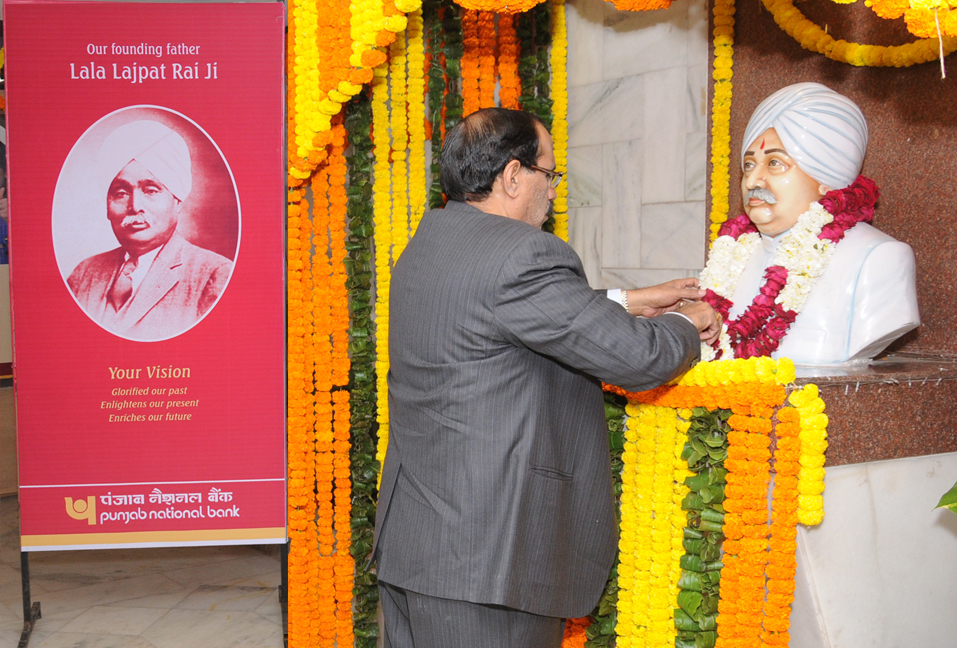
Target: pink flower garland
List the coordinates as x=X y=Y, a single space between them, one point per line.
x=760 y=329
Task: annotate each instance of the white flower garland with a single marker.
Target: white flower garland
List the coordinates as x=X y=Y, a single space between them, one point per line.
x=727 y=261
x=802 y=253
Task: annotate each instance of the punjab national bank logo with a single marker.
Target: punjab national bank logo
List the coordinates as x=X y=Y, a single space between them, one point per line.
x=82 y=509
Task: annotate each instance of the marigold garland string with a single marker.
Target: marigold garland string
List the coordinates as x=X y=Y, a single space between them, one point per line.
x=510 y=86
x=486 y=41
x=746 y=532
x=575 y=636
x=814 y=38
x=344 y=565
x=418 y=190
x=813 y=438
x=782 y=564
x=651 y=528
x=382 y=206
x=399 y=111
x=471 y=63
x=721 y=112
x=641 y=5
x=499 y=6
x=559 y=68
x=322 y=633
x=303 y=551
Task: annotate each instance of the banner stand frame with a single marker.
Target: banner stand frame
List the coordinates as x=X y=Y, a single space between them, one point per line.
x=284 y=593
x=31 y=611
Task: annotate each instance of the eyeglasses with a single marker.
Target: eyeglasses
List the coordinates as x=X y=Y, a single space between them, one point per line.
x=554 y=177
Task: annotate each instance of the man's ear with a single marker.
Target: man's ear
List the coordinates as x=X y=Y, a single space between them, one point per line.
x=511 y=180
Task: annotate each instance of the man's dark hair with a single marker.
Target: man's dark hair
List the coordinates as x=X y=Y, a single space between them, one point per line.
x=478 y=148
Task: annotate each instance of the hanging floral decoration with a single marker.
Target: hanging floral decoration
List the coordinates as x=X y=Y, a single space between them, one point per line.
x=736 y=581
x=503 y=7
x=362 y=375
x=471 y=62
x=321 y=567
x=924 y=18
x=721 y=113
x=508 y=52
x=813 y=438
x=382 y=209
x=487 y=42
x=346 y=233
x=799 y=261
x=641 y=5
x=651 y=528
x=782 y=564
x=559 y=66
x=334 y=47
x=418 y=184
x=576 y=633
x=399 y=129
x=816 y=39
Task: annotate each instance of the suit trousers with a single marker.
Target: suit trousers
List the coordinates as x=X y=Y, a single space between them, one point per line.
x=411 y=620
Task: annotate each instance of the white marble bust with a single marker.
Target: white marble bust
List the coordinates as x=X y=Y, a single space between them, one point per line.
x=802 y=142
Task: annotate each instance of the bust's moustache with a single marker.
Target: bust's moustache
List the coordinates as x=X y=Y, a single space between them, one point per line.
x=761 y=194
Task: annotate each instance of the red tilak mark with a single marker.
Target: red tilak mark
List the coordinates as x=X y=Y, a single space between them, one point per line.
x=762 y=145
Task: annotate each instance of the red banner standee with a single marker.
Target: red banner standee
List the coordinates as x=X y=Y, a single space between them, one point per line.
x=146 y=189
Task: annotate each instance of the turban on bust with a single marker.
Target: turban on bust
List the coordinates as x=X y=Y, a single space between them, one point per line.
x=823 y=131
x=157 y=147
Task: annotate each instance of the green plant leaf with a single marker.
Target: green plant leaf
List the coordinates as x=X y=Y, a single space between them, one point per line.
x=690 y=601
x=684 y=622
x=949 y=500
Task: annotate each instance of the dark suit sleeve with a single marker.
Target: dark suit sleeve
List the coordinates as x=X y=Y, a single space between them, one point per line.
x=545 y=304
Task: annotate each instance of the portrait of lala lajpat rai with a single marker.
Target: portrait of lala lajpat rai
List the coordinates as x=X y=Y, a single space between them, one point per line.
x=166 y=195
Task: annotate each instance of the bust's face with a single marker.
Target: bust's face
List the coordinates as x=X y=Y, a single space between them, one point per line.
x=775 y=190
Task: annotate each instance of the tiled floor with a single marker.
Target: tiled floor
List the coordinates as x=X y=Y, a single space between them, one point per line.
x=194 y=597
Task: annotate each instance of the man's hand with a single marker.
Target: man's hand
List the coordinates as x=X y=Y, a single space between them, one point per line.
x=663 y=298
x=705 y=319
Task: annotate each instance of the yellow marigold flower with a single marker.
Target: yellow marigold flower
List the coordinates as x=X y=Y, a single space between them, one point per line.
x=810 y=487
x=810 y=518
x=811 y=502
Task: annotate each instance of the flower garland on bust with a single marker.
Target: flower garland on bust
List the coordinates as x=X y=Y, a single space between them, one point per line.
x=800 y=260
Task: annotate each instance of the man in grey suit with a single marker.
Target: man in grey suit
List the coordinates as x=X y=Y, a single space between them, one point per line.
x=496 y=518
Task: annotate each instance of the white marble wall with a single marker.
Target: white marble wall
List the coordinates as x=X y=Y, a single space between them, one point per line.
x=637 y=141
x=881 y=570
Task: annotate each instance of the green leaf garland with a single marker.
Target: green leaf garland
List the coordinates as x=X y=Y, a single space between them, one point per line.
x=705 y=452
x=362 y=381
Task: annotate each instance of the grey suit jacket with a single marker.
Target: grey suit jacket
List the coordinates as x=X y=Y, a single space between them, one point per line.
x=182 y=284
x=497 y=483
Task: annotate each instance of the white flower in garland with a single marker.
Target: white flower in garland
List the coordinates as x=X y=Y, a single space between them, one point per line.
x=805 y=256
x=727 y=261
x=802 y=253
